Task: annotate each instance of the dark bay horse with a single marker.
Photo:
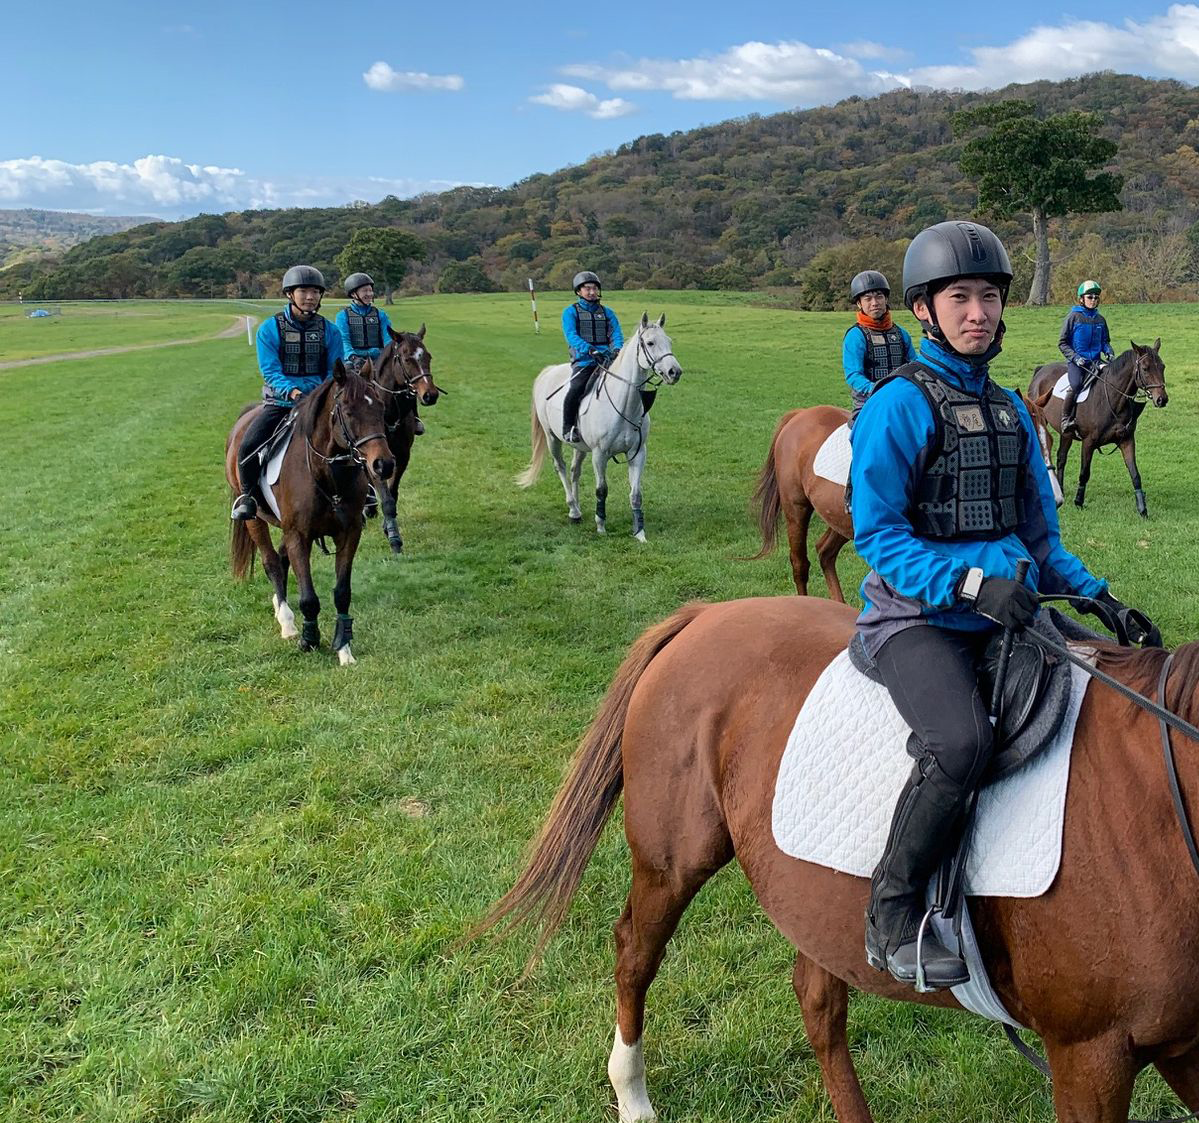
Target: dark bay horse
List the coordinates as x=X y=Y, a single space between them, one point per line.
x=693 y=727
x=788 y=485
x=1110 y=413
x=403 y=374
x=338 y=442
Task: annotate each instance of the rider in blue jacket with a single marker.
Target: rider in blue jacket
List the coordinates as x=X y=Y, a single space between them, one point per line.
x=874 y=346
x=297 y=350
x=364 y=327
x=949 y=492
x=594 y=335
x=1084 y=339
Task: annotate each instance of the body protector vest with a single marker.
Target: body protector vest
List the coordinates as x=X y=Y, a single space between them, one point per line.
x=885 y=352
x=974 y=470
x=593 y=326
x=302 y=349
x=366 y=332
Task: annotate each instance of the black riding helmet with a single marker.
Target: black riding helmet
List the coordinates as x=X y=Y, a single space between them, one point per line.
x=945 y=252
x=869 y=280
x=583 y=278
x=303 y=276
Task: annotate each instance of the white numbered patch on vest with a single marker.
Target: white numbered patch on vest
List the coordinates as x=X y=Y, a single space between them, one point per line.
x=970 y=418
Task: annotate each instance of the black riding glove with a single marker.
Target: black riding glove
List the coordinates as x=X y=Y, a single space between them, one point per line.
x=1137 y=626
x=1007 y=602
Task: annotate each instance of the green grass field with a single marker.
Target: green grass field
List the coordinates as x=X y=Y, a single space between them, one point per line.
x=234 y=876
x=90 y=326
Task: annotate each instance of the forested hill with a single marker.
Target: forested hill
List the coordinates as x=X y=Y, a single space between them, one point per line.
x=33 y=233
x=792 y=198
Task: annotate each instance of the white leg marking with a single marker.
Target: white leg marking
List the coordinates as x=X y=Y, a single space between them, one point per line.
x=345 y=656
x=286 y=618
x=601 y=526
x=626 y=1070
x=640 y=536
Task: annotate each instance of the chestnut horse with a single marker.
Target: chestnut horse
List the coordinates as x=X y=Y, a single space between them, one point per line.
x=1102 y=966
x=788 y=485
x=403 y=373
x=1109 y=415
x=322 y=487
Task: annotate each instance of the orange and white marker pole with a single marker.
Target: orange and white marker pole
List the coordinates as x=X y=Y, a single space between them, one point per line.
x=533 y=301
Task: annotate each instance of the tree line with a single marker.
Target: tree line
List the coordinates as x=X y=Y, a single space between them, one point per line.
x=797 y=200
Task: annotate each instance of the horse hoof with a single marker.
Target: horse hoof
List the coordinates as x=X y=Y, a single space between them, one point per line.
x=600 y=528
x=575 y=518
x=344 y=656
x=397 y=545
x=306 y=647
x=640 y=536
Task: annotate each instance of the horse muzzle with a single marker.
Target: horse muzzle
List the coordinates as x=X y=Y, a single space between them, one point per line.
x=382 y=468
x=429 y=397
x=671 y=375
x=1160 y=402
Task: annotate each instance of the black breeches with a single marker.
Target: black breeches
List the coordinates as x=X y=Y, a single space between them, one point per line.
x=261 y=428
x=932 y=676
x=574 y=393
x=859 y=400
x=1076 y=375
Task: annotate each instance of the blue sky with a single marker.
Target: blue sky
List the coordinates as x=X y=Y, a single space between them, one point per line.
x=137 y=109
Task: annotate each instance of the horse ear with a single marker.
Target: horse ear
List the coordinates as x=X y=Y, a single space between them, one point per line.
x=421 y=334
x=645 y=319
x=395 y=335
x=1158 y=345
x=662 y=320
x=339 y=371
x=1133 y=345
x=367 y=369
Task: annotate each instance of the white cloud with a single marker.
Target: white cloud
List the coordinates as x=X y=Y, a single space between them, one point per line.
x=864 y=48
x=789 y=72
x=574 y=99
x=381 y=77
x=170 y=188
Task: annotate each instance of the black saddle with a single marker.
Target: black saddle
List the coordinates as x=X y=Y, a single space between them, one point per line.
x=1035 y=696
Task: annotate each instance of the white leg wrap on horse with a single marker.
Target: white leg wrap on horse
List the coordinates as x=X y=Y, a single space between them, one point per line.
x=626 y=1070
x=285 y=617
x=344 y=656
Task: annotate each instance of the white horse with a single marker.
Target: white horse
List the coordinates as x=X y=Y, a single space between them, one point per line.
x=611 y=420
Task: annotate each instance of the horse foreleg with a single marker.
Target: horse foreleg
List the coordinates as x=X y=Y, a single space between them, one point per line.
x=576 y=474
x=1182 y=1074
x=386 y=494
x=572 y=493
x=1092 y=1080
x=636 y=467
x=299 y=550
x=824 y=1000
x=1128 y=449
x=828 y=546
x=599 y=462
x=1063 y=454
x=343 y=565
x=1084 y=472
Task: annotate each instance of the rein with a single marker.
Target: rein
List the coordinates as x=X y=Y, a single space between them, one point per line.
x=1166 y=720
x=351 y=455
x=652 y=373
x=1140 y=389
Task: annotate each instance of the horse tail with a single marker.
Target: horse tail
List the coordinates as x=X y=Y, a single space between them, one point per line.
x=766 y=498
x=241 y=550
x=557 y=858
x=529 y=476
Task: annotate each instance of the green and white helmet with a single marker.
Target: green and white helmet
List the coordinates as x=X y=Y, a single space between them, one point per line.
x=1088 y=287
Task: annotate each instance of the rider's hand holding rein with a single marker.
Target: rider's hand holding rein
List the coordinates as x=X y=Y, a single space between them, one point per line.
x=1011 y=604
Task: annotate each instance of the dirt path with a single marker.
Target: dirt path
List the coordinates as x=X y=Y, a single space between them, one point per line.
x=234 y=329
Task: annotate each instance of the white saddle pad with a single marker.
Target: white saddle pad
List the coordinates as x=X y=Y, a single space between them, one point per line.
x=270 y=474
x=1063 y=384
x=846 y=761
x=832 y=461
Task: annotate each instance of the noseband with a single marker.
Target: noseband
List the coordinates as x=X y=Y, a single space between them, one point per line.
x=353 y=446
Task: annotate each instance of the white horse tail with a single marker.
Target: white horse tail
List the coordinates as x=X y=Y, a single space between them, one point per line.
x=529 y=476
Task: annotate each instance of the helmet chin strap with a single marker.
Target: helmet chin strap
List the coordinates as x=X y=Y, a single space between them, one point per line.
x=932 y=329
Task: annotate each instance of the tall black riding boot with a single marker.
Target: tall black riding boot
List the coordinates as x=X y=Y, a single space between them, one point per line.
x=245 y=506
x=922 y=829
x=1069 y=406
x=570 y=406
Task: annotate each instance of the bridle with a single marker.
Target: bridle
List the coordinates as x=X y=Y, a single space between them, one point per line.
x=407 y=388
x=1140 y=388
x=352 y=445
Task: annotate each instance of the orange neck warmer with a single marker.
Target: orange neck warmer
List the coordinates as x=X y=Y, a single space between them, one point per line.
x=875 y=325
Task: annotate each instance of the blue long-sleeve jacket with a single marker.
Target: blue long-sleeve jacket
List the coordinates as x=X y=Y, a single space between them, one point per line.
x=919 y=575
x=270 y=360
x=579 y=347
x=853 y=359
x=1084 y=335
x=343 y=326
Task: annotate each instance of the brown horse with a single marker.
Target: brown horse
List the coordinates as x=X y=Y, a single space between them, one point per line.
x=787 y=485
x=403 y=373
x=321 y=490
x=693 y=727
x=1109 y=415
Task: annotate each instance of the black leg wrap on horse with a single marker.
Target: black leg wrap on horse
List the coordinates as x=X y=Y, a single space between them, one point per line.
x=310 y=635
x=343 y=633
x=926 y=818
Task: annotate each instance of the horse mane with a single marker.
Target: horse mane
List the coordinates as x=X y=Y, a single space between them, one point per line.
x=309 y=407
x=1141 y=669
